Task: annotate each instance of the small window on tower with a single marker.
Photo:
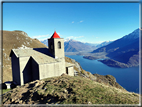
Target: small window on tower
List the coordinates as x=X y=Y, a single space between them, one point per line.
x=59 y=45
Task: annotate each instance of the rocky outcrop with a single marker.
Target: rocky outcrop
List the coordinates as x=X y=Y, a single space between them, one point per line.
x=22 y=32
x=108 y=80
x=77 y=66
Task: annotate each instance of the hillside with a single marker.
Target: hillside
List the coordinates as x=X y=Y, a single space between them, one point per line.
x=15 y=40
x=68 y=90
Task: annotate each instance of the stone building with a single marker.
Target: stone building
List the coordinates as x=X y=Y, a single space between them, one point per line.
x=39 y=63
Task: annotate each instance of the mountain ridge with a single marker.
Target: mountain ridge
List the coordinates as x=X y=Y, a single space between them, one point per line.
x=123 y=49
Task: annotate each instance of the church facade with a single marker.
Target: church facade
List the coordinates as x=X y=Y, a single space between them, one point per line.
x=39 y=63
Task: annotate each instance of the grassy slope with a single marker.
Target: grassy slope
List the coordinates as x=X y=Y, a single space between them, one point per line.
x=14 y=40
x=68 y=90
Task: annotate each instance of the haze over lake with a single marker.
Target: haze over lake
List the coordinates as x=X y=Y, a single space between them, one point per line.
x=128 y=78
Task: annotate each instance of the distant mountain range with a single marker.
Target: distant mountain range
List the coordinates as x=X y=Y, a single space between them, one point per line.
x=103 y=44
x=71 y=45
x=76 y=46
x=125 y=49
x=45 y=42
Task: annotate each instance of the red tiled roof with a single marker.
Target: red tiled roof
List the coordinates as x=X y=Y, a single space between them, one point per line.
x=55 y=35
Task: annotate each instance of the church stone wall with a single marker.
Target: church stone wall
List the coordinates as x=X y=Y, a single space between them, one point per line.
x=51 y=46
x=54 y=49
x=15 y=69
x=62 y=66
x=35 y=70
x=51 y=70
x=59 y=52
x=70 y=71
x=46 y=70
x=25 y=69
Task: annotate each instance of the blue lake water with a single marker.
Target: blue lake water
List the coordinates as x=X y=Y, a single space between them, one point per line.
x=128 y=78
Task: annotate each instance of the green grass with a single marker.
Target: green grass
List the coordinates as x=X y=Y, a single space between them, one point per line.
x=5 y=90
x=84 y=91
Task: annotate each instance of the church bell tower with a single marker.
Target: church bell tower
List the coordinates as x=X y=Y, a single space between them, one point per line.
x=56 y=46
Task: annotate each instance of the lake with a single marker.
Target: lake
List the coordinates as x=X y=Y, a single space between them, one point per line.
x=128 y=78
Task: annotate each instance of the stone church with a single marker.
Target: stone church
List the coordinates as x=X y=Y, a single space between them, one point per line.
x=39 y=63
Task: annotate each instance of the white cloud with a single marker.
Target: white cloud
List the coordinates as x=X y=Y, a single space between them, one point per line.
x=41 y=37
x=81 y=21
x=58 y=33
x=72 y=21
x=73 y=37
x=79 y=37
x=99 y=42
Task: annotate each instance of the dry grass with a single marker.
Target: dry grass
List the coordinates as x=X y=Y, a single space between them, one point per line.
x=68 y=90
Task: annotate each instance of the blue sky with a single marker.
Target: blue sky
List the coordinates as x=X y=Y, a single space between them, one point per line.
x=86 y=22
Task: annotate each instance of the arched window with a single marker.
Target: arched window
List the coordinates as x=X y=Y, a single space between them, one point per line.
x=59 y=45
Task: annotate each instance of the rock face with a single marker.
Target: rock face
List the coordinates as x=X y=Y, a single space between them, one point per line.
x=69 y=90
x=77 y=67
x=108 y=80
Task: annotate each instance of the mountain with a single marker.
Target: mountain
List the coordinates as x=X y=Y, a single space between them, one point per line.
x=91 y=44
x=120 y=43
x=14 y=40
x=45 y=42
x=103 y=44
x=125 y=49
x=71 y=45
x=77 y=46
